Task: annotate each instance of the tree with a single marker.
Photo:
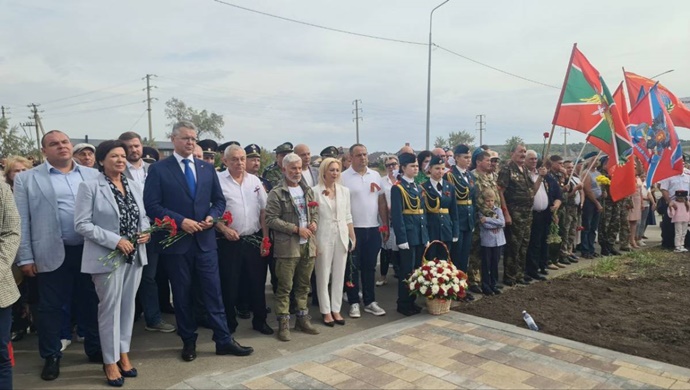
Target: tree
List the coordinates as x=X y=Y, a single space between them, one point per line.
x=267 y=158
x=207 y=124
x=14 y=144
x=454 y=139
x=511 y=143
x=440 y=142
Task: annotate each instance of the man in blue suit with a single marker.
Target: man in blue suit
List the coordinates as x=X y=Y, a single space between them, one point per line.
x=187 y=190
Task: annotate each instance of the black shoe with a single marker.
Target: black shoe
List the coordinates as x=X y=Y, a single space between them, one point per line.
x=496 y=291
x=96 y=358
x=570 y=259
x=523 y=282
x=564 y=261
x=114 y=382
x=129 y=373
x=468 y=297
x=595 y=254
x=509 y=283
x=244 y=314
x=407 y=311
x=263 y=329
x=488 y=292
x=189 y=351
x=499 y=286
x=543 y=272
x=417 y=308
x=234 y=348
x=475 y=289
x=527 y=278
x=51 y=369
x=328 y=323
x=536 y=277
x=339 y=322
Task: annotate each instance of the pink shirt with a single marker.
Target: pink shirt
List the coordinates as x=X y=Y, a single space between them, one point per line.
x=680 y=214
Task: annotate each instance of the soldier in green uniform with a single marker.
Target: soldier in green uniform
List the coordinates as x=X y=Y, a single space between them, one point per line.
x=625 y=205
x=408 y=220
x=517 y=191
x=485 y=181
x=462 y=179
x=568 y=217
x=273 y=173
x=609 y=224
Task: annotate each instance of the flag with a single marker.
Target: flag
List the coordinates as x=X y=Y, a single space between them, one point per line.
x=586 y=105
x=654 y=135
x=679 y=113
x=638 y=150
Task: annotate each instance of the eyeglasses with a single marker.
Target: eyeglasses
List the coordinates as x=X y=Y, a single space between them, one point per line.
x=390 y=165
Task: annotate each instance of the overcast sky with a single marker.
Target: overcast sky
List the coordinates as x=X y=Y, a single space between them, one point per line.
x=276 y=81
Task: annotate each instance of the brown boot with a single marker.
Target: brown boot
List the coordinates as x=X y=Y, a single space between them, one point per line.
x=284 y=328
x=305 y=325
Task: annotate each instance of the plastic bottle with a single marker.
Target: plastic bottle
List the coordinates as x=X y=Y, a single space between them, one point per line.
x=529 y=321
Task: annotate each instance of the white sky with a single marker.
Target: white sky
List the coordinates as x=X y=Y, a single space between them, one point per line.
x=277 y=81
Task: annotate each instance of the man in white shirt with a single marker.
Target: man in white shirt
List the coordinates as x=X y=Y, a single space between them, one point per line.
x=542 y=215
x=369 y=201
x=310 y=175
x=239 y=253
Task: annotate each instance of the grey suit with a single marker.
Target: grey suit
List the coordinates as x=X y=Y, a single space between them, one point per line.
x=60 y=281
x=97 y=218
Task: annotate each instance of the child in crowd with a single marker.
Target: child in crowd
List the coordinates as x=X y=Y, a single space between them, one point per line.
x=492 y=239
x=679 y=211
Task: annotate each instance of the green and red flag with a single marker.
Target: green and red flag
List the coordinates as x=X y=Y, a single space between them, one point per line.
x=586 y=105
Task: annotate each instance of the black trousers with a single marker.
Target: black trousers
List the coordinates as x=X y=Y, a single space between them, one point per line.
x=490 y=257
x=668 y=232
x=240 y=260
x=538 y=249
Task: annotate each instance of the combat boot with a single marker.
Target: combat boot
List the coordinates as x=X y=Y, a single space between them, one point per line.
x=284 y=328
x=304 y=324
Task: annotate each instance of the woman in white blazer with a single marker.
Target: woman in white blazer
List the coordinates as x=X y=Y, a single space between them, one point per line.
x=334 y=234
x=110 y=211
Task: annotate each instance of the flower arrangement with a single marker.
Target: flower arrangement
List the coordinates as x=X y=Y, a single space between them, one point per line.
x=603 y=180
x=554 y=236
x=176 y=235
x=438 y=279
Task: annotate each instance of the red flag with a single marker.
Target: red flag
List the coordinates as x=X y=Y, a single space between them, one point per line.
x=680 y=115
x=638 y=151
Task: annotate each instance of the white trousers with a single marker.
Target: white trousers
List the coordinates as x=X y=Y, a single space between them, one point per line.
x=116 y=294
x=681 y=230
x=331 y=261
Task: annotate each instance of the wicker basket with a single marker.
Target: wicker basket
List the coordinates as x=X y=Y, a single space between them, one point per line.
x=438 y=306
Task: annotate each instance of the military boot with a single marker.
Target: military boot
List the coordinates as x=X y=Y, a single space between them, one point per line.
x=304 y=324
x=284 y=328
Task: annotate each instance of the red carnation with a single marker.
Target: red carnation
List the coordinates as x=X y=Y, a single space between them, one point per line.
x=546 y=134
x=384 y=229
x=227 y=217
x=441 y=280
x=313 y=204
x=349 y=284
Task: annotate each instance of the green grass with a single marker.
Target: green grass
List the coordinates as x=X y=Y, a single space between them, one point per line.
x=632 y=263
x=601 y=266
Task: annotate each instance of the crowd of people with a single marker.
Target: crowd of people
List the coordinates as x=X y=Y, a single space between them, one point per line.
x=86 y=254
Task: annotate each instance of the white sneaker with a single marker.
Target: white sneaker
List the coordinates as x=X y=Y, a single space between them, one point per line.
x=381 y=281
x=354 y=311
x=679 y=249
x=683 y=249
x=65 y=343
x=374 y=309
x=641 y=242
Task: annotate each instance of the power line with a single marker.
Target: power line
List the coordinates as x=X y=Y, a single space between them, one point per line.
x=97 y=109
x=495 y=68
x=90 y=92
x=137 y=121
x=320 y=26
x=95 y=100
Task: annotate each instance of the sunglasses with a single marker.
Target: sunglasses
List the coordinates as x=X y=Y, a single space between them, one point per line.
x=389 y=165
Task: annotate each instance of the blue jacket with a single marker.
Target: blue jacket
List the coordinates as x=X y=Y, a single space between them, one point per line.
x=409 y=223
x=166 y=193
x=464 y=197
x=441 y=211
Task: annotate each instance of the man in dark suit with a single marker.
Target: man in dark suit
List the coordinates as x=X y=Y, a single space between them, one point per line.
x=193 y=209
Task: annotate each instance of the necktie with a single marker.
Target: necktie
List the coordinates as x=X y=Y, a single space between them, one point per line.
x=189 y=175
x=439 y=187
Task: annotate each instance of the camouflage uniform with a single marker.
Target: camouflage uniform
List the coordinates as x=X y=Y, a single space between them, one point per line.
x=609 y=223
x=273 y=174
x=484 y=182
x=570 y=222
x=624 y=232
x=519 y=196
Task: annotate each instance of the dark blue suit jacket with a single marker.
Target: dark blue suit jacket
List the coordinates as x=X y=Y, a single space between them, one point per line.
x=408 y=228
x=442 y=227
x=465 y=192
x=166 y=193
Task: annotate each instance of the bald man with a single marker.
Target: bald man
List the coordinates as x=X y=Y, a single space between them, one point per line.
x=406 y=149
x=310 y=175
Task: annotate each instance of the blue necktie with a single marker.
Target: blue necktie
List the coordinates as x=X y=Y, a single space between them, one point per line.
x=189 y=175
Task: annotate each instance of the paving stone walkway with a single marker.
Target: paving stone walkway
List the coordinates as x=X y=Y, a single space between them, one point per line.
x=447 y=352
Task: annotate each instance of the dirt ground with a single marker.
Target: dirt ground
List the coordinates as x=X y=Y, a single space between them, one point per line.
x=637 y=304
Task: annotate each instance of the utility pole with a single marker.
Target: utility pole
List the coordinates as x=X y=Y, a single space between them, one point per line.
x=148 y=101
x=3 y=111
x=37 y=124
x=357 y=117
x=565 y=142
x=481 y=129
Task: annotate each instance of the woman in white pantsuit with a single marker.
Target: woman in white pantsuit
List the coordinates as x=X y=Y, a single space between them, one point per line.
x=109 y=211
x=334 y=234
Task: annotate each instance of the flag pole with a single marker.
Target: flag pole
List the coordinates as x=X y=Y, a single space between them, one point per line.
x=548 y=146
x=560 y=99
x=577 y=158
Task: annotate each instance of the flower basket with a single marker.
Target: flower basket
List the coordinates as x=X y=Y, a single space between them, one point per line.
x=439 y=281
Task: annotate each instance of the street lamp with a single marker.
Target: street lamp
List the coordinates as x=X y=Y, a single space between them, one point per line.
x=662 y=73
x=428 y=80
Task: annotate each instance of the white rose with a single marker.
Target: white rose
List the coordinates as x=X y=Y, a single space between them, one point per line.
x=446 y=271
x=425 y=272
x=456 y=280
x=456 y=287
x=434 y=289
x=422 y=290
x=420 y=279
x=434 y=281
x=431 y=264
x=463 y=283
x=412 y=286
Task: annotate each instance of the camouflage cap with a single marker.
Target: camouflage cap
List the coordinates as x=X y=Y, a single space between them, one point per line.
x=330 y=151
x=252 y=150
x=285 y=147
